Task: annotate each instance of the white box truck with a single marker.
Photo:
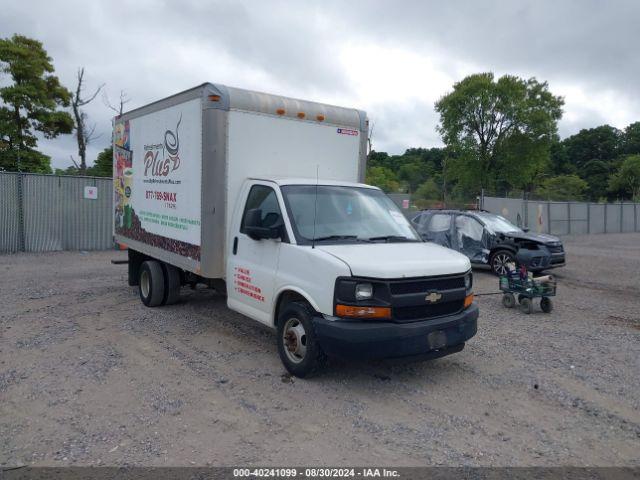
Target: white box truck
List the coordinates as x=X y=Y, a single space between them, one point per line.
x=258 y=196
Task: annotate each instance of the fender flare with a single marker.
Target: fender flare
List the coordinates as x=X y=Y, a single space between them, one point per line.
x=290 y=288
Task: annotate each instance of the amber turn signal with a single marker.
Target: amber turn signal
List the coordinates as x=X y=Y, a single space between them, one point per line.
x=362 y=312
x=214 y=98
x=468 y=300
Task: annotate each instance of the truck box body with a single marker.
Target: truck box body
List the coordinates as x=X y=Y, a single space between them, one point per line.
x=179 y=164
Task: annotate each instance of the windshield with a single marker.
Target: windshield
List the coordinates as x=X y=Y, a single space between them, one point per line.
x=344 y=215
x=499 y=224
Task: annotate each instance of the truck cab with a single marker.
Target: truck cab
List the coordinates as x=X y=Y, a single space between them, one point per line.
x=337 y=269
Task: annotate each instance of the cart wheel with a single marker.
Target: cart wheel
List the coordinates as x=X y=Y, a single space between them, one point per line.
x=508 y=300
x=520 y=298
x=526 y=306
x=546 y=304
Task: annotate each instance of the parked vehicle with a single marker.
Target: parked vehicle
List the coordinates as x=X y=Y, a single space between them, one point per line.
x=257 y=196
x=489 y=239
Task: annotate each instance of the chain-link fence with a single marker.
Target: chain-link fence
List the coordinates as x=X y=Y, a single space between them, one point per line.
x=41 y=213
x=565 y=218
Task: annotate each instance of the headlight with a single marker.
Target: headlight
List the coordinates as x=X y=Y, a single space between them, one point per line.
x=468 y=281
x=364 y=291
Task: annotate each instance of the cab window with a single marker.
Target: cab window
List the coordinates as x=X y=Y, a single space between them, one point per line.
x=265 y=199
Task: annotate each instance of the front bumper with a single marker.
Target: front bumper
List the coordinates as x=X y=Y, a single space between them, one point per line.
x=384 y=339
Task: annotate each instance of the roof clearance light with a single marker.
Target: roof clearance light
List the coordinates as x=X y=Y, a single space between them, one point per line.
x=214 y=98
x=301 y=115
x=320 y=118
x=280 y=111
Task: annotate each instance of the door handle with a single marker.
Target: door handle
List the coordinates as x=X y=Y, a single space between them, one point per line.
x=235 y=245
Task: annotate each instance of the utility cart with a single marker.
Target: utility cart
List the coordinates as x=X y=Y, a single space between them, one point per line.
x=525 y=290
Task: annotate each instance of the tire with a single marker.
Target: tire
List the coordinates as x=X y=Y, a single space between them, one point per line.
x=151 y=284
x=546 y=305
x=526 y=306
x=499 y=259
x=172 y=284
x=297 y=345
x=508 y=300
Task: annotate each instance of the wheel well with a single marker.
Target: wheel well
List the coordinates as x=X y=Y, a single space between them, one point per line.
x=284 y=298
x=502 y=247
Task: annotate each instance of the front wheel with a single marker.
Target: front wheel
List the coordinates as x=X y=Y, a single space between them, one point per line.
x=500 y=260
x=297 y=344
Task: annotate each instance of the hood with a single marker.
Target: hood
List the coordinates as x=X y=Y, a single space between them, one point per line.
x=543 y=238
x=398 y=260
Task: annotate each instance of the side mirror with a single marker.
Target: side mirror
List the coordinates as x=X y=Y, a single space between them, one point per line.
x=254 y=228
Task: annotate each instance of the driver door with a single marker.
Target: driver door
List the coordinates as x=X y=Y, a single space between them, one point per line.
x=252 y=264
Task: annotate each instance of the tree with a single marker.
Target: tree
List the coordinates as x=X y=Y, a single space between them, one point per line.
x=84 y=133
x=383 y=178
x=631 y=139
x=428 y=191
x=482 y=120
x=562 y=188
x=596 y=173
x=124 y=99
x=103 y=166
x=599 y=143
x=31 y=102
x=626 y=181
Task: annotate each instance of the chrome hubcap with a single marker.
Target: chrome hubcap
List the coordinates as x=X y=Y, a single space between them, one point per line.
x=294 y=338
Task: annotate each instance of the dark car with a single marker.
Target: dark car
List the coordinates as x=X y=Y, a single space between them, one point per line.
x=489 y=239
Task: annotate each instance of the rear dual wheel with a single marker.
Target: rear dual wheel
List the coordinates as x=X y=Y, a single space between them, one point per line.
x=159 y=283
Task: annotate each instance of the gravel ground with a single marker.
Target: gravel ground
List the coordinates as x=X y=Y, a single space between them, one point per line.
x=89 y=376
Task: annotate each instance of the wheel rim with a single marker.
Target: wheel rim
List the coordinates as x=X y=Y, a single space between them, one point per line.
x=500 y=263
x=145 y=283
x=294 y=339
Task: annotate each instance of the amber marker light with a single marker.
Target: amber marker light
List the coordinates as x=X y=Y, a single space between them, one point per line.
x=350 y=311
x=468 y=300
x=280 y=111
x=301 y=115
x=320 y=118
x=214 y=98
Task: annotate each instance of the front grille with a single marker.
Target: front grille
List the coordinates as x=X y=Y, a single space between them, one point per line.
x=539 y=261
x=555 y=248
x=408 y=297
x=420 y=312
x=426 y=285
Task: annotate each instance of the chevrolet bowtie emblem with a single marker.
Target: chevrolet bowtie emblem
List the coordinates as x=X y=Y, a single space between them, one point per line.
x=433 y=297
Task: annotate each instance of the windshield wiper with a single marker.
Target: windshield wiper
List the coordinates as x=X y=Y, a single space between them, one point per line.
x=388 y=238
x=340 y=237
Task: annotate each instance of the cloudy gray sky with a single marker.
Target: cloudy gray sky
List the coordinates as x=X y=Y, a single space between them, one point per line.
x=392 y=58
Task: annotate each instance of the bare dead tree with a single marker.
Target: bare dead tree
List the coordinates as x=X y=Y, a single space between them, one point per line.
x=84 y=133
x=124 y=99
x=370 y=141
